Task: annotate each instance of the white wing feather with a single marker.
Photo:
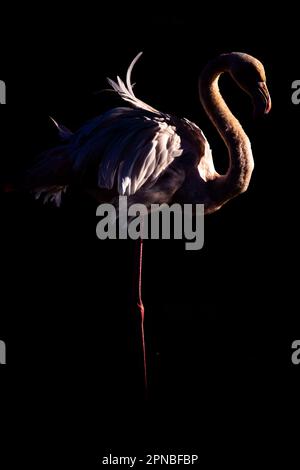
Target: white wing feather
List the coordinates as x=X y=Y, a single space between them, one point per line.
x=135 y=144
x=140 y=150
x=126 y=91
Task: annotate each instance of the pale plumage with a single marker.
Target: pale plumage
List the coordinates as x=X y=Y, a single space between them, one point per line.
x=153 y=157
x=135 y=147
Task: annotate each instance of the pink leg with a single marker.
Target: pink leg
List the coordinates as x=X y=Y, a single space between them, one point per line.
x=141 y=309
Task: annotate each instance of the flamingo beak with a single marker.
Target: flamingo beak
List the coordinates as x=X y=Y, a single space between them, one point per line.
x=262 y=100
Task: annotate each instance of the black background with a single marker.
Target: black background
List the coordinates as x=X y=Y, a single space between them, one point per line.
x=219 y=322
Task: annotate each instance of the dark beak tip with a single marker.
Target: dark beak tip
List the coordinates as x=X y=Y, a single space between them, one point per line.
x=268 y=108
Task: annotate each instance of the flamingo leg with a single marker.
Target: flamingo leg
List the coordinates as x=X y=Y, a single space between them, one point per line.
x=142 y=310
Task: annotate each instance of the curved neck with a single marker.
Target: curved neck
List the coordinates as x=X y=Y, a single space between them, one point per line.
x=237 y=178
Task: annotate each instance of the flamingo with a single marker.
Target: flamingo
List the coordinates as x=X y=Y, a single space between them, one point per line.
x=154 y=157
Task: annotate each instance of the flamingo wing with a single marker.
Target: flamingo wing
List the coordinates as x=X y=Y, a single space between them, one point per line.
x=131 y=148
x=124 y=150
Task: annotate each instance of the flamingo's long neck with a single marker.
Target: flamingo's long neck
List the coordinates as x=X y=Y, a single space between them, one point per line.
x=237 y=178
